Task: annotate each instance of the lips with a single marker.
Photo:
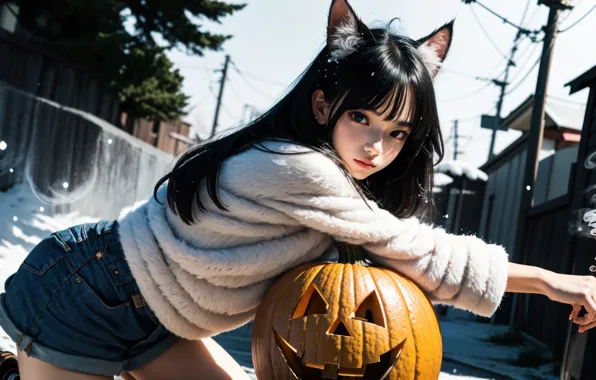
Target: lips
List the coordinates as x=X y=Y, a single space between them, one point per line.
x=364 y=164
x=309 y=371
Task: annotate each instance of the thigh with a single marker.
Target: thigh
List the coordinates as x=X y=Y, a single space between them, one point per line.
x=192 y=360
x=34 y=369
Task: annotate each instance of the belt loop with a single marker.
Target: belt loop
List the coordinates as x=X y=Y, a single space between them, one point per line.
x=138 y=301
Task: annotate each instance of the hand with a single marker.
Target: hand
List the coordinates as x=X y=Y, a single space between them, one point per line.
x=577 y=291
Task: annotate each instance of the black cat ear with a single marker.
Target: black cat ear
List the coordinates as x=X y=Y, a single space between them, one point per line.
x=345 y=32
x=434 y=48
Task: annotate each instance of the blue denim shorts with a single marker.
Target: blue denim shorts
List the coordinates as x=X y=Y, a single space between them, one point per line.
x=73 y=303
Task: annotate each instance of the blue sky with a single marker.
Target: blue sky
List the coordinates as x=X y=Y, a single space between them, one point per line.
x=274 y=40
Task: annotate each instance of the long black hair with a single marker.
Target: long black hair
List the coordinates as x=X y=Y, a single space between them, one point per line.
x=382 y=71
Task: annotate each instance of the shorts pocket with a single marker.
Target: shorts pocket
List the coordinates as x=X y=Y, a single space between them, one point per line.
x=95 y=300
x=45 y=255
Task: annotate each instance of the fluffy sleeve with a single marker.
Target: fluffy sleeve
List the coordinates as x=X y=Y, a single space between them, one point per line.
x=462 y=271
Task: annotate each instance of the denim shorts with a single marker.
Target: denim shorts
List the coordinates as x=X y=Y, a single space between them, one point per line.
x=73 y=303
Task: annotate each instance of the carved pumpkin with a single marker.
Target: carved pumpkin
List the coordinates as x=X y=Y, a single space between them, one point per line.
x=346 y=321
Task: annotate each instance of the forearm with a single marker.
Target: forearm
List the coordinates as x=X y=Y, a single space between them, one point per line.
x=526 y=279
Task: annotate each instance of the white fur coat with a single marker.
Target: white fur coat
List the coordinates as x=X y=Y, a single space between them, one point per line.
x=285 y=210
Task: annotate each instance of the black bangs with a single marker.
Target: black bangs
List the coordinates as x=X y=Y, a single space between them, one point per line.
x=388 y=77
x=385 y=75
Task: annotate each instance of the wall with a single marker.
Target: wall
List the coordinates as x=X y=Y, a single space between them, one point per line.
x=49 y=145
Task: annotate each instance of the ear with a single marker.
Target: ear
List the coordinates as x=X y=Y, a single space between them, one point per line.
x=344 y=30
x=434 y=47
x=320 y=108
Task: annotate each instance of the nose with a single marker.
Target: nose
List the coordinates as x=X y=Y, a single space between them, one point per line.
x=339 y=328
x=374 y=148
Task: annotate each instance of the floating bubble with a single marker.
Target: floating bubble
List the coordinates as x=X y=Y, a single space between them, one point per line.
x=65 y=185
x=3 y=145
x=53 y=195
x=11 y=170
x=15 y=218
x=109 y=141
x=592 y=268
x=590 y=162
x=41 y=209
x=577 y=225
x=372 y=74
x=446 y=216
x=528 y=187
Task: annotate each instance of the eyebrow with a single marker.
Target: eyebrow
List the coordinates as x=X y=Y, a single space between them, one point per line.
x=407 y=124
x=400 y=123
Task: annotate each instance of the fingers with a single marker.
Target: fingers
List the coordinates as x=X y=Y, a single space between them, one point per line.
x=586 y=327
x=589 y=304
x=586 y=319
x=575 y=312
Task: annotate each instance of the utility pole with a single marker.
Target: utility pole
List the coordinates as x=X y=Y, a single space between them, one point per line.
x=534 y=145
x=502 y=85
x=222 y=82
x=455 y=138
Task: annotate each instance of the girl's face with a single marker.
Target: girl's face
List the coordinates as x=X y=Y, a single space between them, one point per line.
x=366 y=142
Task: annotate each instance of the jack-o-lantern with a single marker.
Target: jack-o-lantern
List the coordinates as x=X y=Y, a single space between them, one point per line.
x=346 y=320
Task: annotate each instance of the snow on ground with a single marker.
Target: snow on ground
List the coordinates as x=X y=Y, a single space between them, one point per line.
x=24 y=222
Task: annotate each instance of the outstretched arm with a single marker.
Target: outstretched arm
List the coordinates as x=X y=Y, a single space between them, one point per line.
x=578 y=291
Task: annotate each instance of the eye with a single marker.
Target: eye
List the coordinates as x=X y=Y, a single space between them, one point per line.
x=400 y=135
x=370 y=310
x=359 y=117
x=311 y=302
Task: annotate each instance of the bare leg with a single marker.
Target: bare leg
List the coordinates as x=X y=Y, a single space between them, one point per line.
x=34 y=369
x=192 y=360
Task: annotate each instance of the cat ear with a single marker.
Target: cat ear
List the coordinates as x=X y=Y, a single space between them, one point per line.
x=434 y=47
x=345 y=32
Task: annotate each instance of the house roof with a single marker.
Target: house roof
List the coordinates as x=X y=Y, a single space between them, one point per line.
x=559 y=114
x=582 y=81
x=460 y=169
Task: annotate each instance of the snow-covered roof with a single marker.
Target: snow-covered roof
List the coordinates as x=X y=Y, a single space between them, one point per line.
x=459 y=169
x=559 y=113
x=442 y=179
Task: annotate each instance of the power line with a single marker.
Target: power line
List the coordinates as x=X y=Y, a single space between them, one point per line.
x=524 y=77
x=236 y=94
x=257 y=77
x=197 y=104
x=486 y=34
x=578 y=21
x=521 y=22
x=253 y=87
x=506 y=21
x=459 y=73
x=465 y=96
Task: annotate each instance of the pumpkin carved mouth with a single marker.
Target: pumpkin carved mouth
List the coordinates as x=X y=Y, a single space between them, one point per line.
x=310 y=371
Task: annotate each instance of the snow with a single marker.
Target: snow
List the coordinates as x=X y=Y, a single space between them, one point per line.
x=23 y=224
x=25 y=220
x=460 y=168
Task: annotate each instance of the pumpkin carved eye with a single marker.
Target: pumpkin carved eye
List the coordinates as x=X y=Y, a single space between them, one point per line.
x=312 y=302
x=370 y=310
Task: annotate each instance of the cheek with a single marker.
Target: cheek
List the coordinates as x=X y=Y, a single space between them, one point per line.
x=345 y=137
x=391 y=152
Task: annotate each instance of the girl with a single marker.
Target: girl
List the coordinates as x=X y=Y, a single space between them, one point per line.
x=347 y=155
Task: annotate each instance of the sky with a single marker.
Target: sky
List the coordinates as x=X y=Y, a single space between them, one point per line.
x=275 y=40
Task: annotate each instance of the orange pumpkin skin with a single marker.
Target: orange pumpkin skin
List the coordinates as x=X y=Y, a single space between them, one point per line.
x=345 y=321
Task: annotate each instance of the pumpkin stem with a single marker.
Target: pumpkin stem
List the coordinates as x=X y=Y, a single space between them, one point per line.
x=351 y=254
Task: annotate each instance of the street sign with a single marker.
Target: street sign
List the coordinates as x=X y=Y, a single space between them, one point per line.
x=487 y=122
